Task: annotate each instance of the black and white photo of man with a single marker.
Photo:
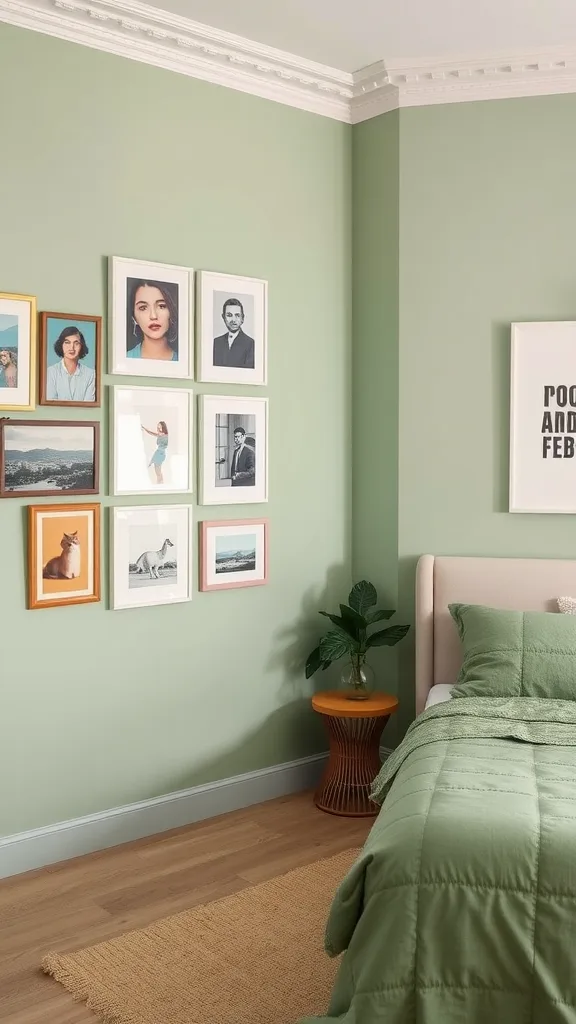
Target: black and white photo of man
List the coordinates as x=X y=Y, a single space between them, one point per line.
x=235 y=450
x=243 y=469
x=234 y=347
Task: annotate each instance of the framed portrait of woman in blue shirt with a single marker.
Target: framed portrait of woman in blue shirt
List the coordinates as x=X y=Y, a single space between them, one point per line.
x=70 y=359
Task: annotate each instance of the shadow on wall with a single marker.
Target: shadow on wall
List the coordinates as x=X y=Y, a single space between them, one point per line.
x=290 y=732
x=292 y=644
x=293 y=730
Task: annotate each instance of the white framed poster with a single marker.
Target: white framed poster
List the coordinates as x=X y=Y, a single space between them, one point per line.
x=151 y=440
x=151 y=555
x=543 y=417
x=151 y=320
x=233 y=450
x=232 y=346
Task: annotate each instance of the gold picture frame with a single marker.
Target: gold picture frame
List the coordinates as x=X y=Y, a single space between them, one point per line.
x=18 y=355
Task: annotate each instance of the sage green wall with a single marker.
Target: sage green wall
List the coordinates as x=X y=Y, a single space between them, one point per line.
x=487 y=229
x=483 y=233
x=100 y=156
x=375 y=296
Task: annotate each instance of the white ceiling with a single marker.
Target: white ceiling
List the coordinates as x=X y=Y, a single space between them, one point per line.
x=351 y=34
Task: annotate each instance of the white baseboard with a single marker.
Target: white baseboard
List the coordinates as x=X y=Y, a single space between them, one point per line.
x=66 y=839
x=38 y=847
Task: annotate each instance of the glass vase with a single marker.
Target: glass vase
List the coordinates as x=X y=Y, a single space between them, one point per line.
x=358 y=680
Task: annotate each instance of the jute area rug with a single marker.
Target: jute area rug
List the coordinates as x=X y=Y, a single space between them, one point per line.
x=256 y=957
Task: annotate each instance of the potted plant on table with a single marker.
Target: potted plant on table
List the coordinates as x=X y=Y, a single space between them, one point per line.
x=350 y=639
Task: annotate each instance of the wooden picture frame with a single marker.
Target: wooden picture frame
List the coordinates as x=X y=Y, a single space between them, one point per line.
x=42 y=437
x=245 y=564
x=54 y=381
x=18 y=342
x=62 y=540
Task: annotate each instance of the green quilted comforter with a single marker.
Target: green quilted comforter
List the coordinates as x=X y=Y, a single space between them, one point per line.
x=461 y=908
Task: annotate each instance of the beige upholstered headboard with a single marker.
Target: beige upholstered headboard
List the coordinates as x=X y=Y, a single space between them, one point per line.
x=528 y=584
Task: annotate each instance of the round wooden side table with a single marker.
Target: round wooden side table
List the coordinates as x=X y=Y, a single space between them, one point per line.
x=354 y=729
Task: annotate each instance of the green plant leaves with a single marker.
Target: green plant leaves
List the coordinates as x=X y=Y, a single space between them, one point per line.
x=362 y=597
x=313 y=663
x=341 y=623
x=335 y=645
x=387 y=637
x=348 y=620
x=376 y=615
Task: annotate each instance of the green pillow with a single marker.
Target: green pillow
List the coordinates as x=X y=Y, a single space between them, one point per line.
x=515 y=654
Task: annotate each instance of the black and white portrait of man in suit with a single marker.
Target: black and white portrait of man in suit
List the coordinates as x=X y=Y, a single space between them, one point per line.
x=243 y=468
x=234 y=347
x=235 y=450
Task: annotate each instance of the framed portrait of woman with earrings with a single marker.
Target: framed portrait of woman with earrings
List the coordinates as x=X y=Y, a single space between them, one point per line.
x=151 y=319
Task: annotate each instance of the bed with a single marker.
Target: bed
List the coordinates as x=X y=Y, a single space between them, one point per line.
x=461 y=906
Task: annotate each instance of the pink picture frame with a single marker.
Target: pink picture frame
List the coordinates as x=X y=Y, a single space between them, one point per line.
x=233 y=553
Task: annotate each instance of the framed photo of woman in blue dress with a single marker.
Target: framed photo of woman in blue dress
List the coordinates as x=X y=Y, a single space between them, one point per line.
x=151 y=319
x=151 y=435
x=70 y=359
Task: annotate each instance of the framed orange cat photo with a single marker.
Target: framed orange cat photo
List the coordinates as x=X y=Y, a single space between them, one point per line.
x=63 y=555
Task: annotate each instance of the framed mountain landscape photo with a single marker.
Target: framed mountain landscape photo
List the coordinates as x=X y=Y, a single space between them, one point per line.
x=233 y=553
x=48 y=458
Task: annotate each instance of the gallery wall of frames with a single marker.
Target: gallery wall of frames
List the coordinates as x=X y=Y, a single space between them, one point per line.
x=170 y=326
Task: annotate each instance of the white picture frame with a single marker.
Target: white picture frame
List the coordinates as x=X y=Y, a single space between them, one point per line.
x=232 y=314
x=151 y=561
x=151 y=305
x=151 y=448
x=228 y=422
x=543 y=417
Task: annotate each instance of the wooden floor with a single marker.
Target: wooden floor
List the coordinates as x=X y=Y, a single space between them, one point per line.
x=83 y=901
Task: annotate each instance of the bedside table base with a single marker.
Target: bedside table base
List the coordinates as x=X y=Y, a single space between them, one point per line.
x=353 y=764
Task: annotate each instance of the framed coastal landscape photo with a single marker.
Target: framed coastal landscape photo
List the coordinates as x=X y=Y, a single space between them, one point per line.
x=151 y=319
x=17 y=352
x=70 y=359
x=48 y=458
x=151 y=440
x=232 y=314
x=151 y=560
x=63 y=555
x=233 y=553
x=233 y=450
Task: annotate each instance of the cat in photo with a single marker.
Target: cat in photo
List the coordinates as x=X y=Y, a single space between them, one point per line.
x=65 y=566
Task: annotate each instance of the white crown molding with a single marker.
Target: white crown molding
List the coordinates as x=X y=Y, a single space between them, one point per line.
x=129 y=28
x=385 y=86
x=132 y=29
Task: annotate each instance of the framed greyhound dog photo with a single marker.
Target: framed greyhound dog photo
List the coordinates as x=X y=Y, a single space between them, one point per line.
x=151 y=560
